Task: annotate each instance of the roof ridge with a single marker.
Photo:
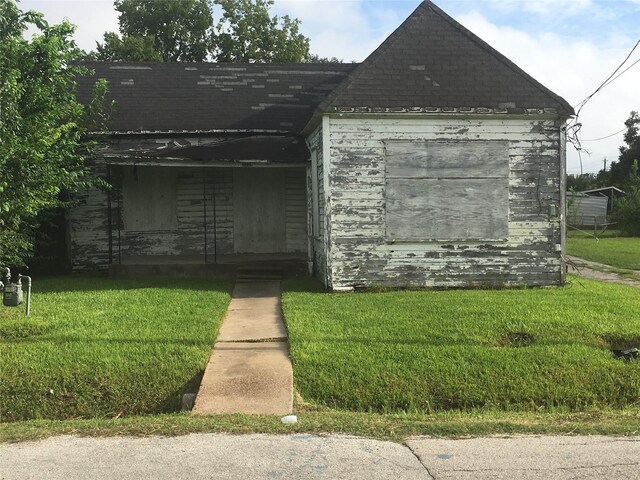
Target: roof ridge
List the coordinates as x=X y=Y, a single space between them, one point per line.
x=427 y=7
x=385 y=45
x=499 y=56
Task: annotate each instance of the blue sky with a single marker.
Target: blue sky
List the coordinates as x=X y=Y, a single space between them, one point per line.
x=571 y=46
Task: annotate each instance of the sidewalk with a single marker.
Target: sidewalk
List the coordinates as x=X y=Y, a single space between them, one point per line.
x=249 y=369
x=599 y=271
x=219 y=456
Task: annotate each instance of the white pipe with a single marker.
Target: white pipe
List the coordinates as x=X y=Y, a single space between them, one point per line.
x=28 y=302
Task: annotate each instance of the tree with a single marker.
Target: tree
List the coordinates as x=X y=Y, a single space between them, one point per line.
x=44 y=130
x=620 y=174
x=247 y=33
x=580 y=182
x=627 y=208
x=169 y=30
x=624 y=173
x=130 y=48
x=160 y=30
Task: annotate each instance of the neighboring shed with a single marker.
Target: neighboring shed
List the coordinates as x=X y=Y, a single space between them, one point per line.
x=585 y=210
x=612 y=193
x=435 y=162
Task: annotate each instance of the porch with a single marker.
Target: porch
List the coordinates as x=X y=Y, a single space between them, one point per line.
x=205 y=220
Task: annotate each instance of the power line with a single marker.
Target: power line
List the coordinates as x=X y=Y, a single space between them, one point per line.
x=583 y=102
x=611 y=81
x=573 y=130
x=608 y=136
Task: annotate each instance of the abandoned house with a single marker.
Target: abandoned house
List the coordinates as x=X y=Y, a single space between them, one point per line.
x=434 y=162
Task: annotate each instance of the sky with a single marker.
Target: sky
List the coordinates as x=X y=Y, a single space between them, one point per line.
x=570 y=46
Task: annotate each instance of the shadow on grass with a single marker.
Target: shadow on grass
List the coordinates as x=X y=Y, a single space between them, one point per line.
x=84 y=283
x=458 y=344
x=173 y=402
x=66 y=339
x=303 y=285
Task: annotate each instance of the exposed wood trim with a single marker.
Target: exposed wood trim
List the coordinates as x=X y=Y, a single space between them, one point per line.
x=563 y=203
x=186 y=132
x=326 y=170
x=118 y=159
x=444 y=116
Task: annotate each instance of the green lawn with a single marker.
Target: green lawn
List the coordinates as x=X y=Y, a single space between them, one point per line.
x=620 y=252
x=98 y=347
x=462 y=350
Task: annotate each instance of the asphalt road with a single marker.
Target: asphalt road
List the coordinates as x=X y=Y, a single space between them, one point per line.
x=220 y=456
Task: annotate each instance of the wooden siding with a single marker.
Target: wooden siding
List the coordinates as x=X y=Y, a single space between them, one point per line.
x=88 y=225
x=317 y=238
x=296 y=210
x=360 y=253
x=196 y=190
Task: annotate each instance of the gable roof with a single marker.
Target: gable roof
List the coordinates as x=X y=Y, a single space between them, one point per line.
x=432 y=62
x=194 y=97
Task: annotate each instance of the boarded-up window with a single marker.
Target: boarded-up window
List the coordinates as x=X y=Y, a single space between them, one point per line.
x=149 y=198
x=447 y=190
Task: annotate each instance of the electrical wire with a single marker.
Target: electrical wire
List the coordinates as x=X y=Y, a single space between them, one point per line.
x=573 y=130
x=609 y=78
x=602 y=138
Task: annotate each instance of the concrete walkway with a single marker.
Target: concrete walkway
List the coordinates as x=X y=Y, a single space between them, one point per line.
x=214 y=456
x=599 y=271
x=249 y=369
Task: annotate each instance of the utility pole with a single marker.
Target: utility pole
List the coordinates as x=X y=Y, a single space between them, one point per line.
x=605 y=164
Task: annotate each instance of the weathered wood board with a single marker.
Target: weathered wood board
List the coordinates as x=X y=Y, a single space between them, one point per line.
x=149 y=199
x=259 y=210
x=197 y=223
x=446 y=190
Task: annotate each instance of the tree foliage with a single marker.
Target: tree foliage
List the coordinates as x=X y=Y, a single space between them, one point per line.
x=160 y=30
x=627 y=208
x=620 y=173
x=169 y=30
x=44 y=130
x=625 y=173
x=247 y=33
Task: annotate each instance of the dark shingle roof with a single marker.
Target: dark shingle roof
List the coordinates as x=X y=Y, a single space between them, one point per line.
x=207 y=96
x=430 y=62
x=433 y=61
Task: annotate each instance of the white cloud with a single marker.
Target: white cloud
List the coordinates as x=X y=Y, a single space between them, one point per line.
x=544 y=7
x=573 y=68
x=92 y=18
x=339 y=29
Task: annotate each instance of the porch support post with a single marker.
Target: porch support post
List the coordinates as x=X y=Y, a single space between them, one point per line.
x=109 y=215
x=204 y=213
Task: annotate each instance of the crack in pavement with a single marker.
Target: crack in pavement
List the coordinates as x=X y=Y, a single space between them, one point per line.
x=431 y=475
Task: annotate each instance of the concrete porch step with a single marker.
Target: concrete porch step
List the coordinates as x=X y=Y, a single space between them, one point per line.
x=252 y=274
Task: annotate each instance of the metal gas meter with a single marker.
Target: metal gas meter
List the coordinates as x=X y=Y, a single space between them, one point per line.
x=12 y=295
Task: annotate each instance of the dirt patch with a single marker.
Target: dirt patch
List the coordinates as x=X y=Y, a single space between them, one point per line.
x=517 y=339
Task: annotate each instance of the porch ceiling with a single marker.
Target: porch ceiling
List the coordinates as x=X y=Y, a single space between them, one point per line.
x=281 y=149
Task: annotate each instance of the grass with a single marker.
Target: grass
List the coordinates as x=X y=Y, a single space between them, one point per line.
x=421 y=352
x=113 y=358
x=609 y=248
x=102 y=348
x=384 y=427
